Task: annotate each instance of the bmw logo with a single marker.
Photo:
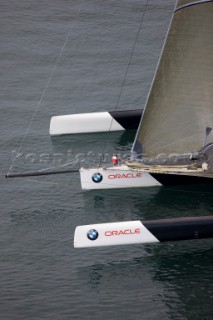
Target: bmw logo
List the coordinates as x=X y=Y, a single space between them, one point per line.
x=92 y=234
x=97 y=177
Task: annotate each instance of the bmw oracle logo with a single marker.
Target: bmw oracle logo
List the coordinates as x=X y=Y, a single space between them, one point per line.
x=92 y=234
x=97 y=177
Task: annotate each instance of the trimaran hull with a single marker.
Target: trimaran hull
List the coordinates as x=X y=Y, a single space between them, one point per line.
x=125 y=177
x=134 y=232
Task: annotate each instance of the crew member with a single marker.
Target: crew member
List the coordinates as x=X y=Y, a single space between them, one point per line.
x=115 y=160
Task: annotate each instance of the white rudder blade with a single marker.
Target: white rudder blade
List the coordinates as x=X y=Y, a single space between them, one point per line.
x=109 y=234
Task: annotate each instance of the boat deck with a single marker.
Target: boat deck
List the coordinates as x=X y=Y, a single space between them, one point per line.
x=179 y=169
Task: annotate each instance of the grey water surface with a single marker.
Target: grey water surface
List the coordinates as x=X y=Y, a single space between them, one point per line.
x=62 y=57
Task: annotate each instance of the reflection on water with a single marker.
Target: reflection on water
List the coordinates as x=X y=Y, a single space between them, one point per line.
x=148 y=203
x=184 y=268
x=93 y=149
x=129 y=279
x=110 y=139
x=165 y=276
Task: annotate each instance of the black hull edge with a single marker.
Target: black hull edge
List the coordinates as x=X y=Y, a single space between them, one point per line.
x=181 y=179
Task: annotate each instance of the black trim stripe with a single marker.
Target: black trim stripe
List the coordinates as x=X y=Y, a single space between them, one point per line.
x=181 y=228
x=128 y=119
x=167 y=179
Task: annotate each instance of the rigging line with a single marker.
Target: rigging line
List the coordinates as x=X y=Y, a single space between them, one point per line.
x=130 y=60
x=48 y=81
x=127 y=69
x=74 y=162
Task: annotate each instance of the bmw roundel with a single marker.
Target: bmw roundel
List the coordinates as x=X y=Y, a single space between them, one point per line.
x=92 y=234
x=97 y=177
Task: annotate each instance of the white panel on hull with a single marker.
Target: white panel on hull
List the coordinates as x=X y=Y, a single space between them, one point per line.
x=83 y=123
x=118 y=233
x=115 y=177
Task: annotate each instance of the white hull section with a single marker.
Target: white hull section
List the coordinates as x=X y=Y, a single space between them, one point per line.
x=108 y=234
x=83 y=123
x=115 y=177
